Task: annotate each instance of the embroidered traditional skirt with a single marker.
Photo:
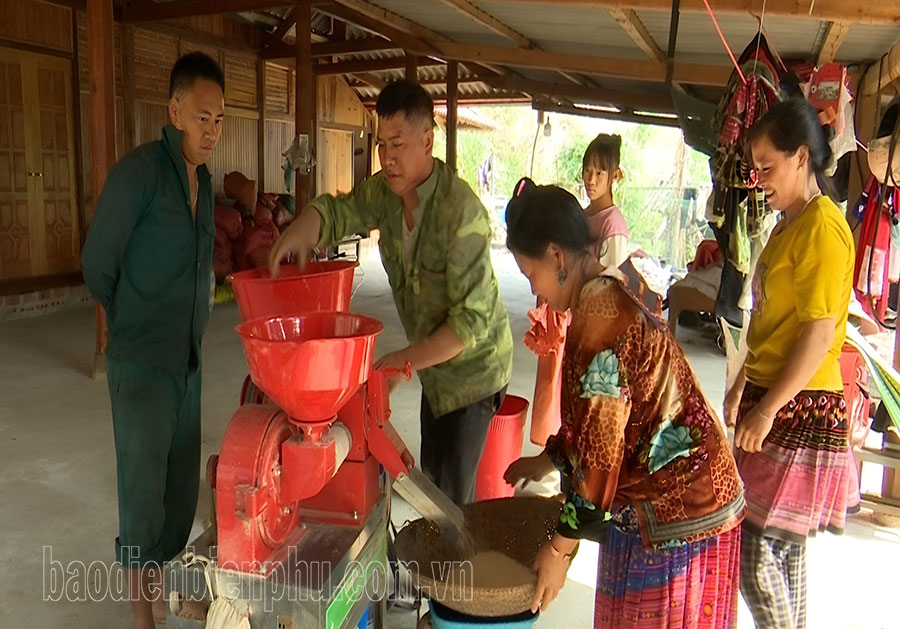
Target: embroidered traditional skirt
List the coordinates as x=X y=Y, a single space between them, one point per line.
x=801 y=481
x=690 y=586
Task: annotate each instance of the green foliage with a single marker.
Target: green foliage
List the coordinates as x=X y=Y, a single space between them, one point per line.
x=649 y=197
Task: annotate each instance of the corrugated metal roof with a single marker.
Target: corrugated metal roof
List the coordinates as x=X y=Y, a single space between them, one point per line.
x=467 y=118
x=563 y=28
x=698 y=41
x=867 y=42
x=590 y=30
x=435 y=15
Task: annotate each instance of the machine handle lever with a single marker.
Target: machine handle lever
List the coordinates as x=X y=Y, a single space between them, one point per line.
x=391 y=372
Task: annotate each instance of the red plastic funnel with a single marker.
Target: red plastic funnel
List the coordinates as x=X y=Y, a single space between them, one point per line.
x=310 y=364
x=321 y=286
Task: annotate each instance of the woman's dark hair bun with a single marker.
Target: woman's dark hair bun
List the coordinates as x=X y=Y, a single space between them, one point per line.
x=539 y=215
x=523 y=187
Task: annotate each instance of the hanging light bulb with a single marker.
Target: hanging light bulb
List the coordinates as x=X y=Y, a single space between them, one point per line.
x=547 y=128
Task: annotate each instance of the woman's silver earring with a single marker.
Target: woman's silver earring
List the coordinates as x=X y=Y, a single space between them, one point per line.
x=561 y=276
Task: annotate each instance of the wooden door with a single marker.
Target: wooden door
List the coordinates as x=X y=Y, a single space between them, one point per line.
x=39 y=232
x=335 y=161
x=15 y=185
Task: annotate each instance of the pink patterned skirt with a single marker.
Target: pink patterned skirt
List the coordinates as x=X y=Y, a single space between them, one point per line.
x=801 y=482
x=687 y=586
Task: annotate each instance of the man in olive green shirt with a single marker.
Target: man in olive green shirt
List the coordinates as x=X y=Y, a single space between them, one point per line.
x=435 y=246
x=148 y=261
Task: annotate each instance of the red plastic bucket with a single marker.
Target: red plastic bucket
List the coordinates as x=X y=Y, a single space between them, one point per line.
x=321 y=286
x=503 y=446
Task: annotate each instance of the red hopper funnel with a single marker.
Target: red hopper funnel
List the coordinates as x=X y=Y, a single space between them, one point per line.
x=310 y=364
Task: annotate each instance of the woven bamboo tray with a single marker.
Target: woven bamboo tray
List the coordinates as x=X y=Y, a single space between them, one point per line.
x=516 y=527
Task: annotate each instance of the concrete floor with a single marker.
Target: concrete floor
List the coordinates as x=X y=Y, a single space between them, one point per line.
x=57 y=472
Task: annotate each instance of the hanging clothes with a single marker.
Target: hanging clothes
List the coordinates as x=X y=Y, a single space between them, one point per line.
x=742 y=105
x=827 y=88
x=732 y=284
x=874 y=283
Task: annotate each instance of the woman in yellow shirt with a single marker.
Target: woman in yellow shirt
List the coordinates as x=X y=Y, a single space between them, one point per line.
x=791 y=438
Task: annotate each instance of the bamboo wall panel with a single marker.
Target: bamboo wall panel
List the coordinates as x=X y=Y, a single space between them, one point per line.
x=154 y=56
x=279 y=135
x=223 y=27
x=236 y=150
x=185 y=46
x=38 y=23
x=150 y=118
x=277 y=81
x=240 y=80
x=292 y=93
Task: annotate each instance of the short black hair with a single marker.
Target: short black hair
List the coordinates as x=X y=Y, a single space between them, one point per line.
x=193 y=66
x=408 y=97
x=539 y=215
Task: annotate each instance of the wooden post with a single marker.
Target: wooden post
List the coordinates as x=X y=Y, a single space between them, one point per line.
x=261 y=125
x=868 y=100
x=103 y=126
x=338 y=29
x=412 y=68
x=305 y=94
x=338 y=33
x=865 y=114
x=452 y=105
x=80 y=159
x=673 y=38
x=890 y=479
x=314 y=133
x=128 y=108
x=678 y=252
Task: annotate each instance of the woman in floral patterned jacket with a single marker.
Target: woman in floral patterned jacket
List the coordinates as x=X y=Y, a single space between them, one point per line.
x=646 y=467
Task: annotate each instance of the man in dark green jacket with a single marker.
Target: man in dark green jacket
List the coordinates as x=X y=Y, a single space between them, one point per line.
x=435 y=246
x=148 y=261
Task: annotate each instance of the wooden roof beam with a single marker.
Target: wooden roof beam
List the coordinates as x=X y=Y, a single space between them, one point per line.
x=835 y=32
x=601 y=96
x=396 y=32
x=194 y=35
x=572 y=78
x=328 y=49
x=371 y=80
x=622 y=114
x=390 y=19
x=133 y=11
x=635 y=29
x=414 y=38
x=486 y=19
x=277 y=36
x=424 y=82
x=855 y=11
x=464 y=100
x=368 y=65
x=579 y=63
x=405 y=33
x=881 y=74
